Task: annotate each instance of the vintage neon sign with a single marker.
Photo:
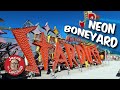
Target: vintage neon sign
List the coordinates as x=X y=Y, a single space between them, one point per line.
x=21 y=38
x=83 y=51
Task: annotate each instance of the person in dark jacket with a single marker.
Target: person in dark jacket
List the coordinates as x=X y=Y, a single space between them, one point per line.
x=118 y=74
x=49 y=67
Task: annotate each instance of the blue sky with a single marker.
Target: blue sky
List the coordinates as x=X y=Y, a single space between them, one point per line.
x=16 y=19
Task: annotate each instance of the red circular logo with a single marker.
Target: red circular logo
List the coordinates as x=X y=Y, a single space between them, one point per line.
x=14 y=65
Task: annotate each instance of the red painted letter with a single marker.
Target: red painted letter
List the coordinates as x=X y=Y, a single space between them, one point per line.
x=95 y=54
x=71 y=54
x=21 y=38
x=44 y=47
x=59 y=56
x=81 y=53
